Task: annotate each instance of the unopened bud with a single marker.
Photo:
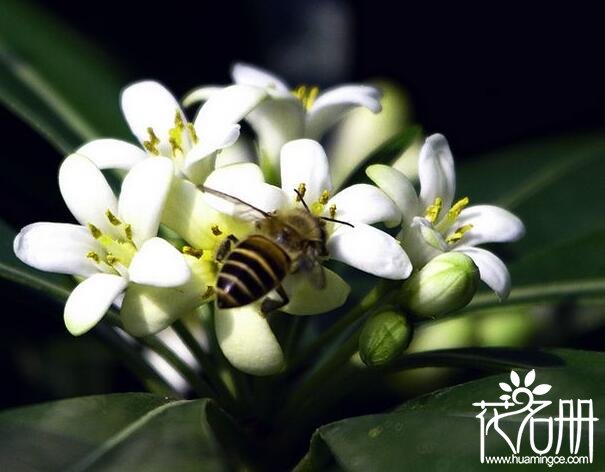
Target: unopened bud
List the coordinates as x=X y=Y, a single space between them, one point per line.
x=445 y=284
x=384 y=337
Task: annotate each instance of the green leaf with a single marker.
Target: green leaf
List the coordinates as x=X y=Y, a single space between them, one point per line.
x=554 y=186
x=418 y=435
x=129 y=431
x=54 y=79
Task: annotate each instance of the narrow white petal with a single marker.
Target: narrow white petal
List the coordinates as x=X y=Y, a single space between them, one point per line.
x=397 y=186
x=201 y=94
x=86 y=192
x=90 y=300
x=436 y=172
x=252 y=75
x=307 y=299
x=159 y=264
x=149 y=104
x=305 y=161
x=370 y=250
x=365 y=203
x=247 y=341
x=244 y=182
x=57 y=247
x=226 y=107
x=147 y=310
x=144 y=192
x=421 y=242
x=333 y=104
x=491 y=224
x=491 y=269
x=240 y=152
x=112 y=153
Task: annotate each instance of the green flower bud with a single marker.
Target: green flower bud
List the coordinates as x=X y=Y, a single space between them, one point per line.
x=445 y=284
x=384 y=337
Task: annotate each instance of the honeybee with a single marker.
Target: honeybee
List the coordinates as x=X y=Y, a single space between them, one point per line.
x=284 y=242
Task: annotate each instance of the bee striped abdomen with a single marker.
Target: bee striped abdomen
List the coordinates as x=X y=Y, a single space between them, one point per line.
x=251 y=270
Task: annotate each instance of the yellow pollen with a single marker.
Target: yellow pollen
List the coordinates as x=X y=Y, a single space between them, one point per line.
x=432 y=212
x=128 y=232
x=96 y=232
x=152 y=144
x=94 y=256
x=332 y=211
x=458 y=207
x=208 y=293
x=113 y=219
x=192 y=133
x=111 y=260
x=216 y=230
x=306 y=95
x=302 y=189
x=325 y=196
x=197 y=253
x=458 y=234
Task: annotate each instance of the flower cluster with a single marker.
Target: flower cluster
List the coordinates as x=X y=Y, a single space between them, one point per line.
x=196 y=192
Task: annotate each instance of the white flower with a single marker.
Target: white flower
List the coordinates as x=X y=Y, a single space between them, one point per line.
x=291 y=114
x=244 y=333
x=115 y=246
x=156 y=119
x=433 y=223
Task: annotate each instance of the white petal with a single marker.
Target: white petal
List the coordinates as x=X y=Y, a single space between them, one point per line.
x=86 y=192
x=422 y=242
x=247 y=341
x=491 y=269
x=240 y=152
x=144 y=192
x=159 y=264
x=251 y=75
x=201 y=94
x=57 y=247
x=307 y=299
x=90 y=300
x=244 y=182
x=365 y=203
x=112 y=153
x=398 y=187
x=333 y=104
x=149 y=104
x=491 y=224
x=436 y=172
x=305 y=161
x=371 y=250
x=226 y=107
x=147 y=310
x=200 y=159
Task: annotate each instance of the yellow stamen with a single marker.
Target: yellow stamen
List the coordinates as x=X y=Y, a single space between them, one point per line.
x=332 y=211
x=128 y=232
x=458 y=207
x=152 y=144
x=306 y=95
x=197 y=253
x=175 y=135
x=432 y=212
x=216 y=230
x=325 y=196
x=96 y=232
x=94 y=256
x=111 y=260
x=457 y=235
x=192 y=133
x=113 y=219
x=302 y=189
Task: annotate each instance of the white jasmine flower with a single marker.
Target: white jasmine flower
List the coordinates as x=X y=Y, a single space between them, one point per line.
x=289 y=114
x=433 y=223
x=156 y=119
x=115 y=247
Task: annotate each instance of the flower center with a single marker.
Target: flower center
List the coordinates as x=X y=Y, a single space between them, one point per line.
x=306 y=94
x=181 y=138
x=318 y=207
x=118 y=249
x=442 y=224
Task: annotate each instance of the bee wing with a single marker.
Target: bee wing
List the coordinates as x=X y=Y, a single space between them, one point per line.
x=232 y=205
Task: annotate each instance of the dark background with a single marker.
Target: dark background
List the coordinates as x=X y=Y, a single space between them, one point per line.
x=486 y=78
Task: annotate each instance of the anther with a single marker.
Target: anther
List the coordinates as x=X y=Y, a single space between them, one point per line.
x=111 y=260
x=332 y=211
x=457 y=207
x=432 y=212
x=128 y=232
x=458 y=234
x=96 y=232
x=113 y=219
x=302 y=189
x=152 y=144
x=192 y=133
x=190 y=251
x=325 y=196
x=94 y=256
x=216 y=230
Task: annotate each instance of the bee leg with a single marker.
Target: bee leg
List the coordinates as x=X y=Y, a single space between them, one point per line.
x=225 y=247
x=270 y=304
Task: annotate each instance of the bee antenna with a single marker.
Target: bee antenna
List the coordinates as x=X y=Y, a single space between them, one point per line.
x=337 y=221
x=300 y=197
